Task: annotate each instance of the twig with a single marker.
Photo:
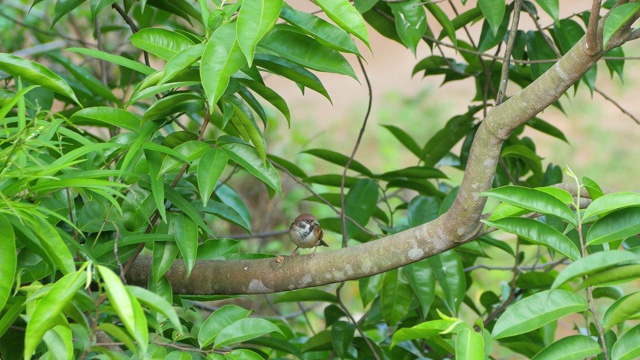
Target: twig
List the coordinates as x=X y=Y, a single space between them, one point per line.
x=616 y=104
x=593 y=40
x=354 y=322
x=504 y=77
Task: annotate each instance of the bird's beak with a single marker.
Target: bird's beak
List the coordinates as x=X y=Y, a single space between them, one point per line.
x=316 y=223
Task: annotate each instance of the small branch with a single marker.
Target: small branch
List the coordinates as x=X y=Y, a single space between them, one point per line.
x=353 y=154
x=593 y=45
x=354 y=322
x=504 y=76
x=616 y=104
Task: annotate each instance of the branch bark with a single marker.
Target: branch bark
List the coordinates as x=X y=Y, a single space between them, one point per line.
x=458 y=225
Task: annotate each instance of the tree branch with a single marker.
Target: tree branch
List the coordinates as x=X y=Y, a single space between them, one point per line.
x=460 y=224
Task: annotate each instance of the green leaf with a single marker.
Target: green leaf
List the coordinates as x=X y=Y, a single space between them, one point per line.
x=323 y=31
x=181 y=61
x=36 y=74
x=255 y=19
x=245 y=329
x=448 y=28
x=595 y=263
x=538 y=49
x=411 y=22
x=546 y=128
x=185 y=206
x=98 y=5
x=160 y=42
x=626 y=348
x=449 y=271
x=180 y=102
x=339 y=159
x=621 y=310
x=342 y=337
x=154 y=160
x=164 y=255
x=210 y=167
x=537 y=310
x=422 y=209
x=306 y=295
x=346 y=16
x=422 y=282
x=8 y=260
x=249 y=159
x=221 y=58
x=618 y=17
x=395 y=297
x=426 y=330
x=615 y=226
x=59 y=340
x=571 y=347
x=370 y=288
x=220 y=319
x=54 y=246
x=469 y=345
x=538 y=233
x=306 y=51
x=611 y=202
x=185 y=232
x=405 y=139
x=616 y=275
x=291 y=71
x=246 y=125
x=108 y=115
x=360 y=204
x=551 y=7
x=115 y=59
x=157 y=303
x=126 y=306
x=63 y=7
x=615 y=65
x=533 y=200
x=48 y=309
x=493 y=11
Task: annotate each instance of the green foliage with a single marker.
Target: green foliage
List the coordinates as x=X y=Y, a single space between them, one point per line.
x=155 y=152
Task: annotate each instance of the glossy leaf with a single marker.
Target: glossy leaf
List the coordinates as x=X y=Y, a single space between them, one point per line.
x=425 y=330
x=493 y=11
x=551 y=7
x=617 y=18
x=115 y=59
x=63 y=7
x=8 y=260
x=255 y=19
x=405 y=139
x=221 y=58
x=323 y=31
x=305 y=51
x=411 y=22
x=595 y=263
x=538 y=233
x=627 y=348
x=537 y=310
x=157 y=303
x=48 y=309
x=250 y=160
x=448 y=28
x=533 y=200
x=54 y=246
x=271 y=96
x=185 y=232
x=185 y=206
x=291 y=71
x=36 y=74
x=346 y=16
x=243 y=121
x=164 y=254
x=245 y=329
x=110 y=116
x=612 y=202
x=211 y=166
x=181 y=60
x=449 y=272
x=621 y=310
x=339 y=159
x=395 y=297
x=173 y=104
x=614 y=226
x=422 y=282
x=370 y=288
x=616 y=275
x=469 y=345
x=125 y=305
x=342 y=336
x=220 y=319
x=571 y=347
x=360 y=204
x=160 y=42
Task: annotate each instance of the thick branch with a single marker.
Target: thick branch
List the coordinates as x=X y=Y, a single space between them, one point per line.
x=458 y=225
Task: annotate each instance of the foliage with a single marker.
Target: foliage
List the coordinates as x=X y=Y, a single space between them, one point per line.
x=142 y=143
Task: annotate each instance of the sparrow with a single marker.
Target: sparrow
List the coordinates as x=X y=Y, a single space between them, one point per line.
x=305 y=232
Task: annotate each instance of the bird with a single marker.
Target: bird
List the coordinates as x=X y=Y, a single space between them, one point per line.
x=305 y=232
